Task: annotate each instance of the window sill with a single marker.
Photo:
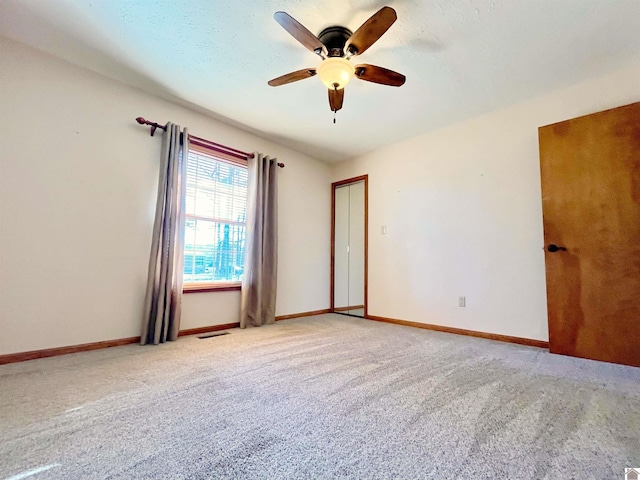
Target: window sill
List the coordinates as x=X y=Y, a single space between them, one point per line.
x=210 y=287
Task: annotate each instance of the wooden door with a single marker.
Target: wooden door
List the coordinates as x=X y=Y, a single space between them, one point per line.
x=590 y=168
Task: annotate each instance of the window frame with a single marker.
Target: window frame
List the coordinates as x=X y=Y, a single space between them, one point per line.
x=218 y=286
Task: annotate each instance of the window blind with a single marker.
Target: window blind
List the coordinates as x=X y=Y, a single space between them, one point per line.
x=216 y=203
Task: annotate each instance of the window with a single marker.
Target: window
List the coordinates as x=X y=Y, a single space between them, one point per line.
x=216 y=205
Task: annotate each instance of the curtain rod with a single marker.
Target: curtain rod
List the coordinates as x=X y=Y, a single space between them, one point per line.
x=203 y=142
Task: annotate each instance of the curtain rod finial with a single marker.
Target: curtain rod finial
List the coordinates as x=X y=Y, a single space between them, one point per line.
x=153 y=125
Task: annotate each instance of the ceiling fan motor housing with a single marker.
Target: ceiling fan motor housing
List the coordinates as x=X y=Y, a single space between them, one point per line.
x=335 y=38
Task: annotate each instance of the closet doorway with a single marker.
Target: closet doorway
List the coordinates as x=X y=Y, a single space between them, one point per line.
x=349 y=235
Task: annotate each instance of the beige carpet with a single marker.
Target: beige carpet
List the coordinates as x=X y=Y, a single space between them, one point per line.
x=323 y=397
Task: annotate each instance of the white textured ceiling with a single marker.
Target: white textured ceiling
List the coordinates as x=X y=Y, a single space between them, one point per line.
x=461 y=58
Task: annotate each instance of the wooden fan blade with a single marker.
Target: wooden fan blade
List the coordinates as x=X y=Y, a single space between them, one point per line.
x=336 y=97
x=293 y=77
x=374 y=74
x=300 y=33
x=371 y=30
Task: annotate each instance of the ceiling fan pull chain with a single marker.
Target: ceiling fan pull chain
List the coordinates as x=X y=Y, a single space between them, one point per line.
x=334 y=116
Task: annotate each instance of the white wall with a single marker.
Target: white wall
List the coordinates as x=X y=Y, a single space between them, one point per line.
x=78 y=179
x=464 y=215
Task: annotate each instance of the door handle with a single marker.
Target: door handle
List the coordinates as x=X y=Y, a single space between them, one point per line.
x=554 y=248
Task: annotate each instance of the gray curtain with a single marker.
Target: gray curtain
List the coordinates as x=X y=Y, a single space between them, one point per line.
x=162 y=304
x=258 y=297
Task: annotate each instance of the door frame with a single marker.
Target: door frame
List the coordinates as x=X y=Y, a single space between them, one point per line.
x=335 y=185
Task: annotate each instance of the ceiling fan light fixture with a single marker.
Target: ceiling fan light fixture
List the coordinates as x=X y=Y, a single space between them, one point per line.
x=335 y=72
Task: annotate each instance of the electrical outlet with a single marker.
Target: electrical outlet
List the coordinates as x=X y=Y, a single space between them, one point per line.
x=462 y=301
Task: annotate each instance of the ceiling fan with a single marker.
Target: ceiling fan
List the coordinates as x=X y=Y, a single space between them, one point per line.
x=336 y=46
